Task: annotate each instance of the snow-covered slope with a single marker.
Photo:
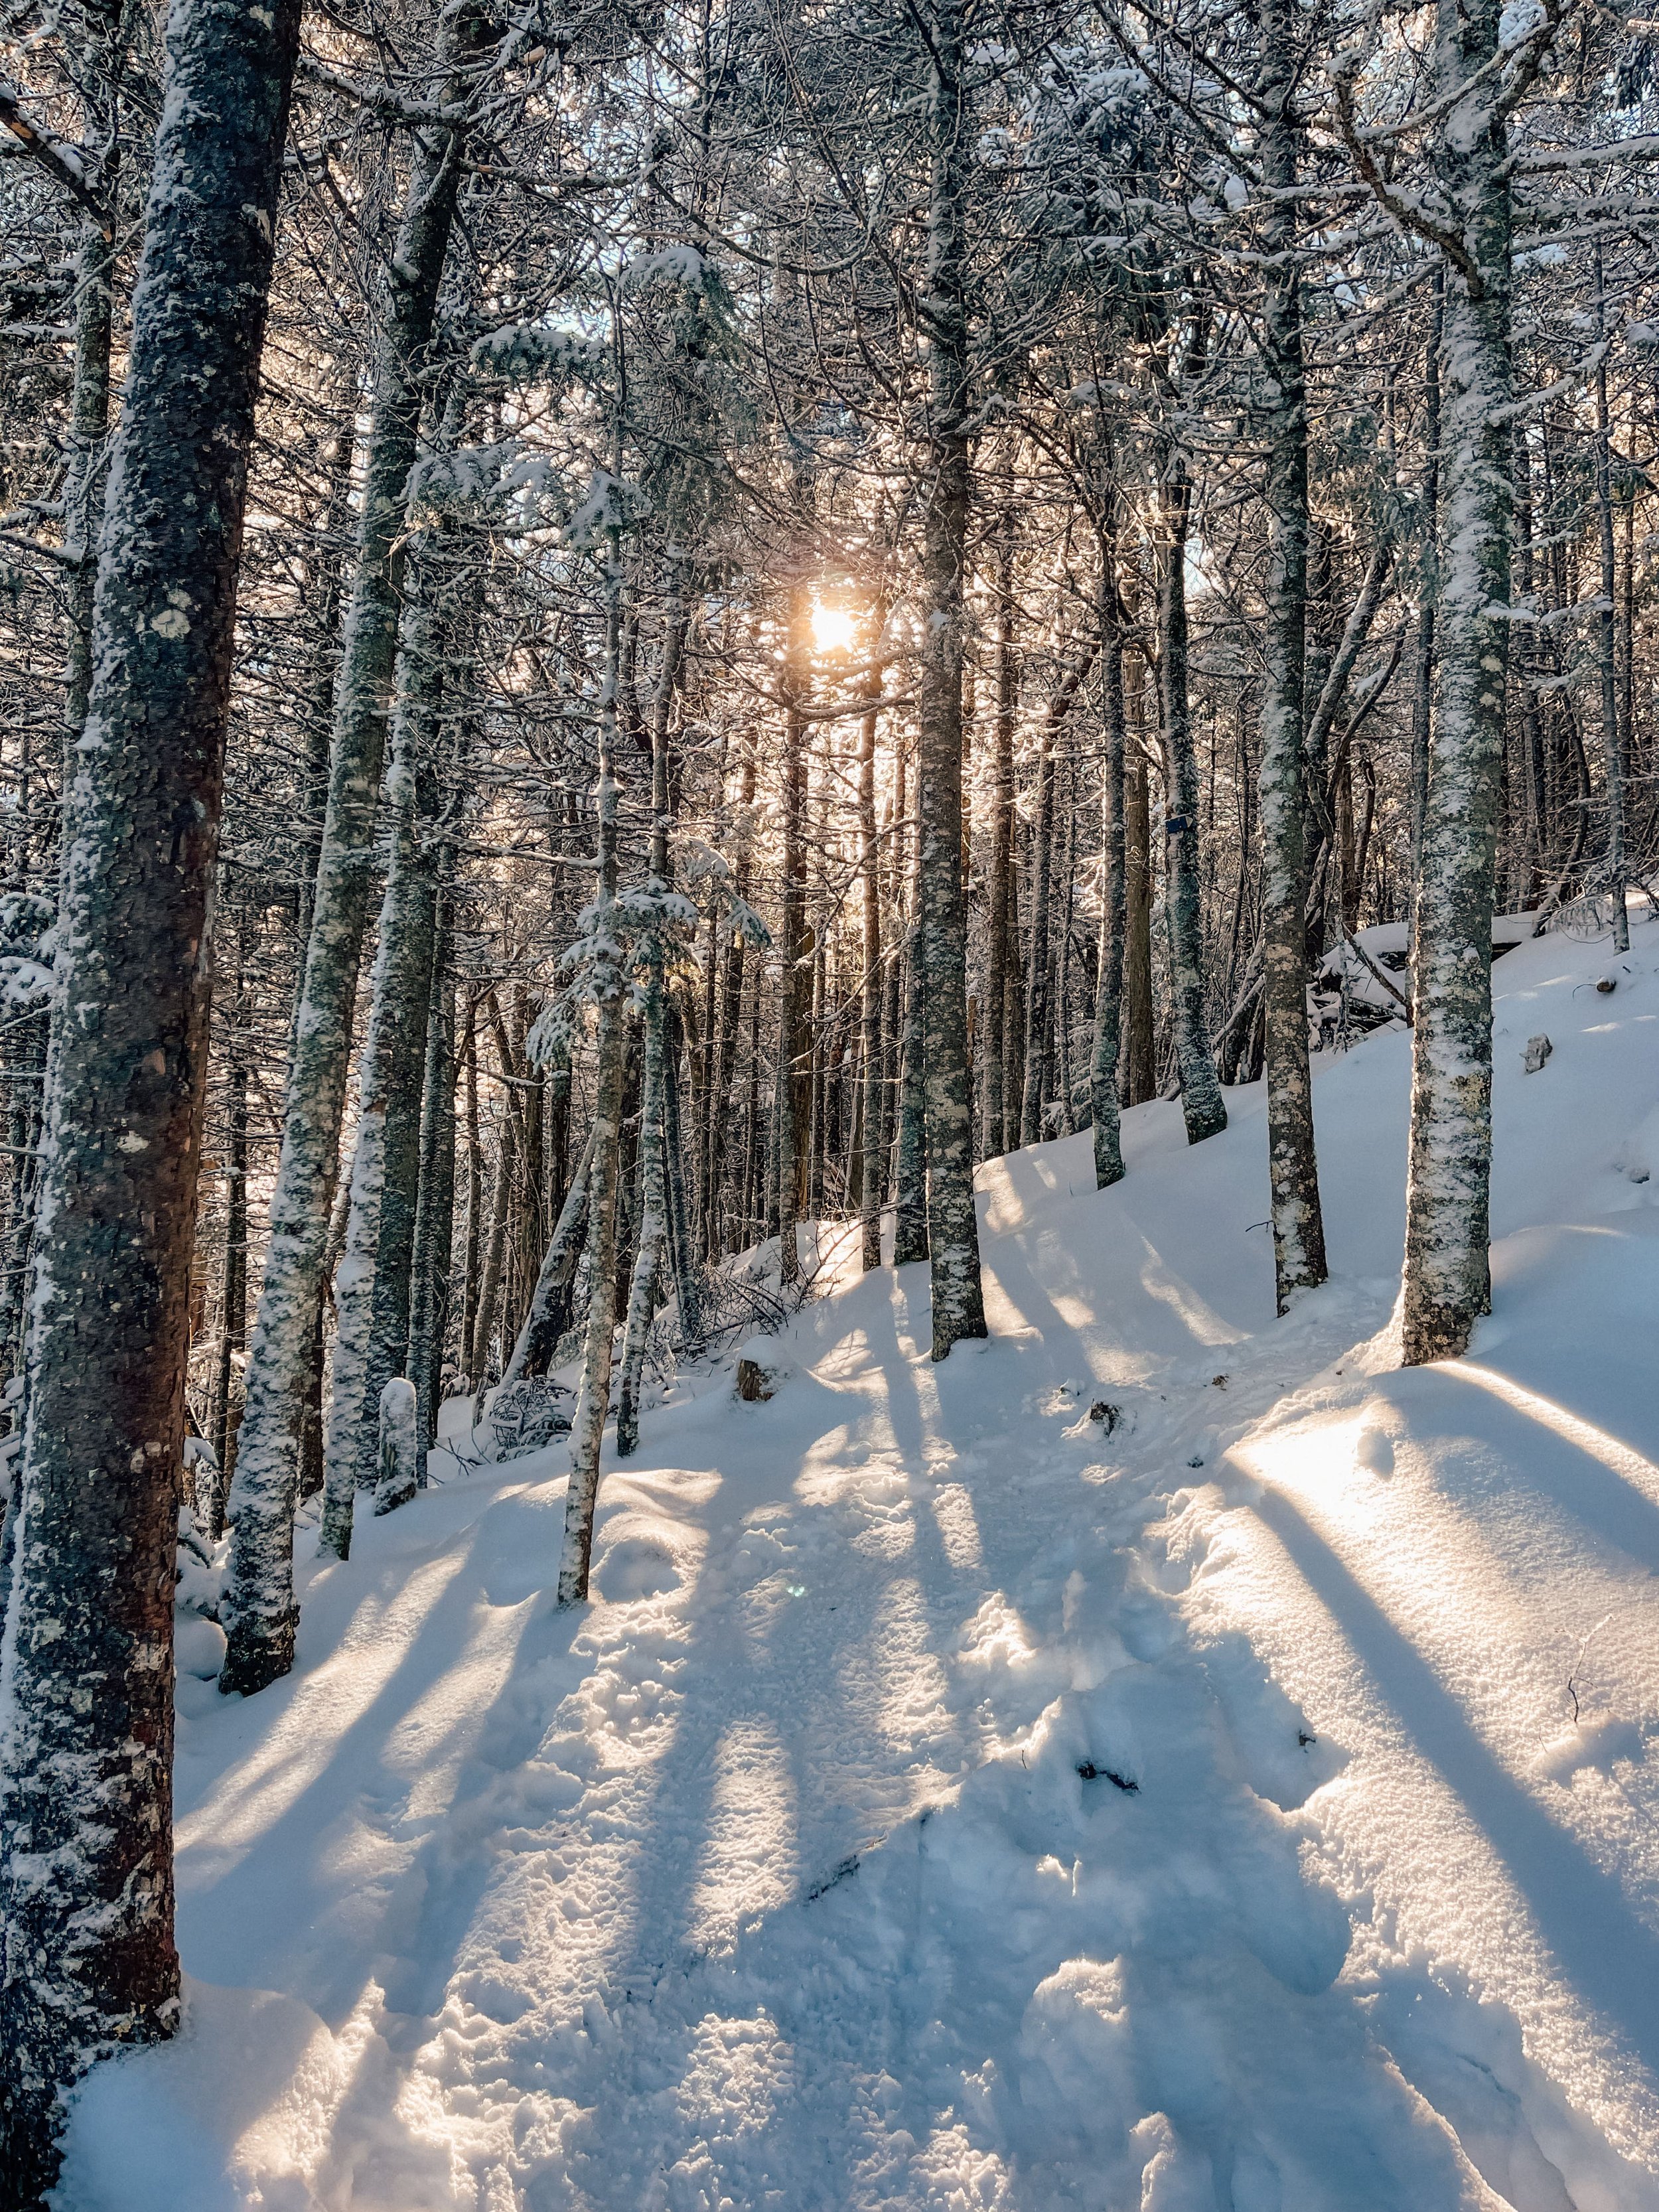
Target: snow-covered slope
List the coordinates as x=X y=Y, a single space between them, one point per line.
x=1239 y=1802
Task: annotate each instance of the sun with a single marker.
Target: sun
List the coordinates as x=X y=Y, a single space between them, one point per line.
x=832 y=628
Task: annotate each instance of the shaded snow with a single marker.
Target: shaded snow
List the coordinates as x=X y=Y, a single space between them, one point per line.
x=949 y=1803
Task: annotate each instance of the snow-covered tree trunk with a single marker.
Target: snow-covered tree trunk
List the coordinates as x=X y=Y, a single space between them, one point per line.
x=796 y=981
x=1448 y=1282
x=1108 y=985
x=1202 y=1103
x=495 y=1251
x=1036 y=964
x=910 y=1209
x=683 y=1258
x=233 y=1303
x=724 y=1055
x=608 y=983
x=1140 y=1076
x=1298 y=1228
x=958 y=1302
x=653 y=1203
x=648 y=1259
x=1000 y=907
x=549 y=1310
x=86 y=1665
x=1613 y=736
x=1428 y=592
x=260 y=1613
x=872 y=1177
x=434 y=1218
x=398 y=1014
x=372 y=1284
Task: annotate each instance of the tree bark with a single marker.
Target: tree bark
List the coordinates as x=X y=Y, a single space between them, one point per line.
x=959 y=1300
x=796 y=982
x=1298 y=1226
x=1202 y=1103
x=609 y=984
x=1448 y=1282
x=550 y=1313
x=434 y=1220
x=1606 y=621
x=999 y=920
x=1108 y=983
x=1035 y=1054
x=372 y=1284
x=870 y=1177
x=233 y=1314
x=1141 y=1068
x=910 y=1211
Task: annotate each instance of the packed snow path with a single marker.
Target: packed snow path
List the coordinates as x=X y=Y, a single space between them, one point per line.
x=1243 y=1800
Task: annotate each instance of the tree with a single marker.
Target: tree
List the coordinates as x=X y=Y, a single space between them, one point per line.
x=259 y=1609
x=86 y=1818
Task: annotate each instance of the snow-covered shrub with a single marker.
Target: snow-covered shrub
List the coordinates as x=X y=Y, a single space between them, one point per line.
x=198 y=1642
x=527 y=1415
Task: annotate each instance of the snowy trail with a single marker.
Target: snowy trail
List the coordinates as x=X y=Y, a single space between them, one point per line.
x=948 y=1804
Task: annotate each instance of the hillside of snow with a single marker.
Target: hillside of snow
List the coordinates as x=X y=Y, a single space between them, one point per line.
x=1242 y=1798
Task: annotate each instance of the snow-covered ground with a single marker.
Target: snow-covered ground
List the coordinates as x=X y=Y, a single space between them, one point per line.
x=1240 y=1801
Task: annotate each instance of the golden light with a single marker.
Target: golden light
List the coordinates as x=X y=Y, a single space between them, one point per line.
x=832 y=628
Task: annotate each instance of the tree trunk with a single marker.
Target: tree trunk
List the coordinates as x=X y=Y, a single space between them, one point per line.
x=609 y=984
x=259 y=1612
x=1428 y=591
x=85 y=1823
x=1140 y=1068
x=952 y=1224
x=233 y=1318
x=910 y=1213
x=648 y=1257
x=1036 y=964
x=435 y=1220
x=998 y=919
x=472 y=1239
x=550 y=1313
x=1606 y=620
x=1108 y=984
x=1202 y=1103
x=723 y=1050
x=1298 y=1226
x=494 y=1252
x=796 y=981
x=1447 y=1280
x=872 y=1178
x=371 y=1285
x=653 y=1165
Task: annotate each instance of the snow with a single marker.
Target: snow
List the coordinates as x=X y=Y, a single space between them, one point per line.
x=1160 y=1758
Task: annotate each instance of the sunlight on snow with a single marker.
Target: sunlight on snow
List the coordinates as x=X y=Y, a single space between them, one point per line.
x=1595 y=1443
x=958 y=1528
x=1158 y=1282
x=328 y=1701
x=1489 y=1817
x=748 y=1863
